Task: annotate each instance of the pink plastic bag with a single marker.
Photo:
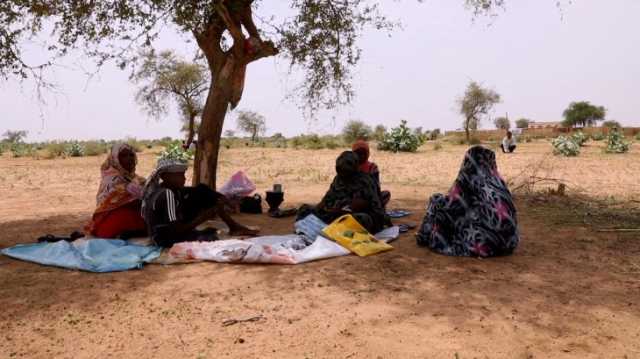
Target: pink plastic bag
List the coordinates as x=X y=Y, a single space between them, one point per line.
x=239 y=185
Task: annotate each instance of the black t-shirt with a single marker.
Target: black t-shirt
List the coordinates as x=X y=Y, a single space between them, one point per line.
x=165 y=209
x=168 y=207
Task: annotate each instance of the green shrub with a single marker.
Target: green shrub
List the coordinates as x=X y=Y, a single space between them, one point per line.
x=616 y=143
x=598 y=136
x=638 y=136
x=565 y=146
x=331 y=144
x=313 y=142
x=400 y=139
x=95 y=148
x=19 y=149
x=579 y=138
x=176 y=152
x=75 y=149
x=55 y=149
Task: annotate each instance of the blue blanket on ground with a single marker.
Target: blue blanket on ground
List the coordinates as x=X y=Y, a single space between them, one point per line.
x=93 y=255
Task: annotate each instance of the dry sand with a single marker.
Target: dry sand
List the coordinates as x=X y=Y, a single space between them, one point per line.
x=567 y=292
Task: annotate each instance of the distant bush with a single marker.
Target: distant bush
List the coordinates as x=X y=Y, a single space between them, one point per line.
x=437 y=146
x=55 y=149
x=565 y=146
x=434 y=134
x=598 y=136
x=95 y=148
x=579 y=138
x=638 y=136
x=400 y=139
x=75 y=149
x=356 y=130
x=474 y=141
x=20 y=149
x=616 y=143
x=315 y=142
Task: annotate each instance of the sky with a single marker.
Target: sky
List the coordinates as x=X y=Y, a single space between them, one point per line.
x=537 y=57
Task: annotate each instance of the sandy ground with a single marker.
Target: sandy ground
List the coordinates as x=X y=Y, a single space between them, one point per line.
x=568 y=292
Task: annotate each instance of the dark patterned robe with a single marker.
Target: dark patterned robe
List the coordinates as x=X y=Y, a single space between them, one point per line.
x=477 y=218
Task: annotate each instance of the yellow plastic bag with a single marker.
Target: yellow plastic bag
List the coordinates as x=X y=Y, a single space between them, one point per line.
x=347 y=232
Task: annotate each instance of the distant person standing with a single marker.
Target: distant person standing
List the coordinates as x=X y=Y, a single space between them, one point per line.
x=508 y=143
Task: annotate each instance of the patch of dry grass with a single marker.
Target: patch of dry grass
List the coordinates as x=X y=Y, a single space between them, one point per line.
x=43 y=187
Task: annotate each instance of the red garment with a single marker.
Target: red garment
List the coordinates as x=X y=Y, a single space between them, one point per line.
x=113 y=223
x=366 y=166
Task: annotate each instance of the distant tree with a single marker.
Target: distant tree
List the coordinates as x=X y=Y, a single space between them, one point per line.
x=164 y=78
x=611 y=124
x=379 y=132
x=320 y=38
x=522 y=123
x=502 y=123
x=583 y=114
x=355 y=130
x=229 y=133
x=434 y=134
x=14 y=136
x=252 y=123
x=476 y=103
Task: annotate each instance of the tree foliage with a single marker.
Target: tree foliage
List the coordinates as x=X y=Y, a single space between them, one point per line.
x=252 y=123
x=164 y=78
x=14 y=136
x=611 y=124
x=523 y=123
x=475 y=104
x=318 y=37
x=502 y=123
x=378 y=132
x=583 y=114
x=355 y=130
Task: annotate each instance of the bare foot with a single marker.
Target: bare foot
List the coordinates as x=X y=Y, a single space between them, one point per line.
x=243 y=231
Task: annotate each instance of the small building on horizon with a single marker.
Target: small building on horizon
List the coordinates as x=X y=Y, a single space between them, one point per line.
x=541 y=125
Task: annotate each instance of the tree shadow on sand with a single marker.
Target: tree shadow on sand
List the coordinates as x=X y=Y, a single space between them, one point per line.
x=27 y=288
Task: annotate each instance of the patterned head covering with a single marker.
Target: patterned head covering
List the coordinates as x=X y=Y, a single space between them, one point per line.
x=165 y=165
x=113 y=174
x=118 y=187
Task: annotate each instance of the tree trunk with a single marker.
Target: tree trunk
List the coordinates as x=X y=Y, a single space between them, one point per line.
x=210 y=131
x=466 y=130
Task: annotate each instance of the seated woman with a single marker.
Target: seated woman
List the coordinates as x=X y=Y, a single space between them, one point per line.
x=173 y=211
x=361 y=148
x=352 y=192
x=508 y=144
x=119 y=196
x=477 y=218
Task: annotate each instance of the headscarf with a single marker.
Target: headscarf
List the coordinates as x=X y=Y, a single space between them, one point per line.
x=164 y=165
x=348 y=184
x=366 y=166
x=347 y=165
x=118 y=186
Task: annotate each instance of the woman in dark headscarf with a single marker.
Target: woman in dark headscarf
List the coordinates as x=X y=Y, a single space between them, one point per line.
x=351 y=192
x=361 y=148
x=477 y=218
